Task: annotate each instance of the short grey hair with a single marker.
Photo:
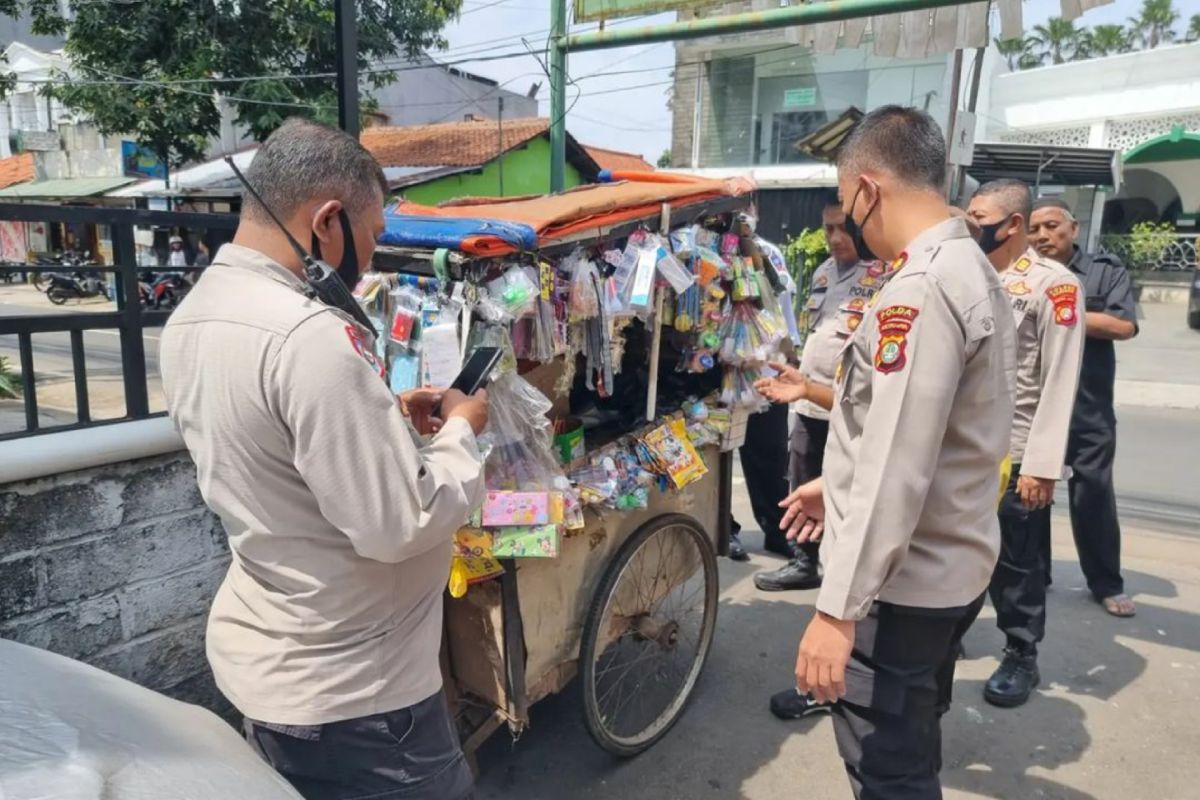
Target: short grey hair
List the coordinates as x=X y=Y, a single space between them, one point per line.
x=1054 y=202
x=303 y=160
x=1012 y=195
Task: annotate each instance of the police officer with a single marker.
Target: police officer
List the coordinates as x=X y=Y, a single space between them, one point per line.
x=1047 y=305
x=1110 y=315
x=920 y=425
x=326 y=630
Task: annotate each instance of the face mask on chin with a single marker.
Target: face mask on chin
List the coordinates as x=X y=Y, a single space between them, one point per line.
x=854 y=229
x=988 y=242
x=347 y=269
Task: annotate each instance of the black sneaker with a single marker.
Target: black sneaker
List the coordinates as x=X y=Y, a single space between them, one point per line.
x=736 y=551
x=790 y=704
x=1014 y=680
x=799 y=573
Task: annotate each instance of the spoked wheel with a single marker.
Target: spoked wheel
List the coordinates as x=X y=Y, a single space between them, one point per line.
x=57 y=296
x=648 y=633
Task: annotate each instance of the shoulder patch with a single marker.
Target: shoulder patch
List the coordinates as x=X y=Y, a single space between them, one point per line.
x=1064 y=297
x=894 y=324
x=821 y=280
x=1023 y=264
x=364 y=349
x=1018 y=288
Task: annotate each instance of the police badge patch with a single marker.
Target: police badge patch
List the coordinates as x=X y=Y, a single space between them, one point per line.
x=364 y=349
x=1064 y=297
x=894 y=324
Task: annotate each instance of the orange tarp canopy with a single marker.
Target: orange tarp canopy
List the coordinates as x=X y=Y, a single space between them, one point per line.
x=595 y=206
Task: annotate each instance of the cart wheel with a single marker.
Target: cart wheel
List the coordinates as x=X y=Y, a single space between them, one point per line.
x=648 y=633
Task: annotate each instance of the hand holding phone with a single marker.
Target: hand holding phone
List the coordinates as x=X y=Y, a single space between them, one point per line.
x=473 y=408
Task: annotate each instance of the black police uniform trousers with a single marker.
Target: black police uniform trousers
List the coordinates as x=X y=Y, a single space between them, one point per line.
x=898 y=686
x=1090 y=454
x=764 y=457
x=806 y=456
x=1018 y=587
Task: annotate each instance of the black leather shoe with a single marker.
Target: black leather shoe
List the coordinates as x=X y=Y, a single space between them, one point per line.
x=736 y=551
x=1014 y=680
x=790 y=704
x=799 y=573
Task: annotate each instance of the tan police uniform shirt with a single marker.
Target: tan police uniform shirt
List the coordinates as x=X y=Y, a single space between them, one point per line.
x=340 y=520
x=835 y=307
x=921 y=420
x=1047 y=303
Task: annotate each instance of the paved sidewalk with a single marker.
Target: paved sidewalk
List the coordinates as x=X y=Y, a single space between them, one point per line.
x=1160 y=367
x=1115 y=717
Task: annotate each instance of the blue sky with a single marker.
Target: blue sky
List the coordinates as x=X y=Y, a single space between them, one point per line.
x=608 y=113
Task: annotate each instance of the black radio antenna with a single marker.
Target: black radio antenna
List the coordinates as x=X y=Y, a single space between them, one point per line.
x=323 y=282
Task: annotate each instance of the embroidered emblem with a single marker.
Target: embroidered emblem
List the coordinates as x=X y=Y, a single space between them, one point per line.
x=876 y=269
x=853 y=321
x=821 y=280
x=1023 y=264
x=858 y=304
x=867 y=280
x=1064 y=297
x=363 y=348
x=1018 y=288
x=899 y=262
x=894 y=324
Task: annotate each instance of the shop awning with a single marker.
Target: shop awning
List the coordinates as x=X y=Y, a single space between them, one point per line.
x=62 y=188
x=1042 y=165
x=823 y=143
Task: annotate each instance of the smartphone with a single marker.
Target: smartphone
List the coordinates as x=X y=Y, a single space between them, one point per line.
x=474 y=375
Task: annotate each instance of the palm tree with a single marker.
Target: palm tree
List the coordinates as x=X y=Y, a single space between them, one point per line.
x=1060 y=40
x=1154 y=23
x=1105 y=40
x=1194 y=28
x=1018 y=52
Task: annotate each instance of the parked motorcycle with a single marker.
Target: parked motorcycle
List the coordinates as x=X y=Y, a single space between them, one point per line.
x=61 y=288
x=167 y=290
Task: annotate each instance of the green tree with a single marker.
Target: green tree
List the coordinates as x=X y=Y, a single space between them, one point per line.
x=664 y=160
x=1155 y=23
x=1018 y=52
x=1193 y=31
x=155 y=69
x=1107 y=40
x=1059 y=40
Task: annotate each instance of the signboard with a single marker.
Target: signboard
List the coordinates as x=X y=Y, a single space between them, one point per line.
x=138 y=162
x=800 y=98
x=962 y=140
x=37 y=141
x=593 y=10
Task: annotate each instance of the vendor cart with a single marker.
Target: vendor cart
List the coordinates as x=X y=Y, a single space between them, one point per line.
x=629 y=604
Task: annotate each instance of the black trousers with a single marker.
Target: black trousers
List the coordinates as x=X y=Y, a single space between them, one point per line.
x=1018 y=587
x=411 y=753
x=764 y=457
x=1090 y=454
x=898 y=686
x=806 y=456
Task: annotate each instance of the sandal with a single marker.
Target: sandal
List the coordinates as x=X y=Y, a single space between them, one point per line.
x=1119 y=605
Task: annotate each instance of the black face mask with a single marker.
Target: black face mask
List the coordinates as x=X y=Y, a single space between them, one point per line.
x=347 y=270
x=854 y=229
x=988 y=242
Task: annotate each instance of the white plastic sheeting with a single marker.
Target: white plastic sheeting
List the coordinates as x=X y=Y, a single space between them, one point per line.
x=69 y=731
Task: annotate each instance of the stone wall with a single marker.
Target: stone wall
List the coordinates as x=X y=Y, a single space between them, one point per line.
x=115 y=566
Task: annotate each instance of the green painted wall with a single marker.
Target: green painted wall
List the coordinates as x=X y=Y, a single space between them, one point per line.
x=526 y=171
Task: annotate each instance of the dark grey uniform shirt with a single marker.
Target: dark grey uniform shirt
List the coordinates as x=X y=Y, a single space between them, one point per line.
x=1106 y=288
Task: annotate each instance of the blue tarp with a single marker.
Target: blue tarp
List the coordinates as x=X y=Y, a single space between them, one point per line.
x=404 y=230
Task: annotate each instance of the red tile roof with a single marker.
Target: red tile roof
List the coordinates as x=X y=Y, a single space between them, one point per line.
x=448 y=144
x=17 y=169
x=618 y=160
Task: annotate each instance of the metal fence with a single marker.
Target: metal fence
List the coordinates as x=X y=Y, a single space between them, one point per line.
x=129 y=320
x=1164 y=252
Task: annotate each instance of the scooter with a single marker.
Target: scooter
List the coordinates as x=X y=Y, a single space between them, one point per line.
x=61 y=288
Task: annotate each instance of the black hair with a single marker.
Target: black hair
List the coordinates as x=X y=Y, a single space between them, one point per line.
x=1013 y=195
x=904 y=141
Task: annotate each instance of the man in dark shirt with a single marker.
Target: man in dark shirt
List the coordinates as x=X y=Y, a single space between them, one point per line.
x=1092 y=443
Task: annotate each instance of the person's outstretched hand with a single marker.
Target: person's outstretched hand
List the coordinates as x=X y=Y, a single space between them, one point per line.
x=804 y=518
x=420 y=405
x=787 y=386
x=473 y=408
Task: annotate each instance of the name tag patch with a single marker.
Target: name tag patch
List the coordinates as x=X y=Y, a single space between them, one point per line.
x=1064 y=296
x=894 y=324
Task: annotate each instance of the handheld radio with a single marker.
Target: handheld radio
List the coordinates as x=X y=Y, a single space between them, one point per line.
x=324 y=283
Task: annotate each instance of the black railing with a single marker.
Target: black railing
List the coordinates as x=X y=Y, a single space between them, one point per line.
x=130 y=319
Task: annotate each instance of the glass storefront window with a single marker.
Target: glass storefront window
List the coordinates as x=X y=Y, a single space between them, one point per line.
x=756 y=107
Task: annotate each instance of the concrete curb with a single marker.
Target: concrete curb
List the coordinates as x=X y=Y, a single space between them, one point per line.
x=1150 y=394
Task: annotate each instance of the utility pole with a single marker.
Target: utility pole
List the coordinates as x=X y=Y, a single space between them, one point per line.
x=500 y=141
x=558 y=95
x=345 y=26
